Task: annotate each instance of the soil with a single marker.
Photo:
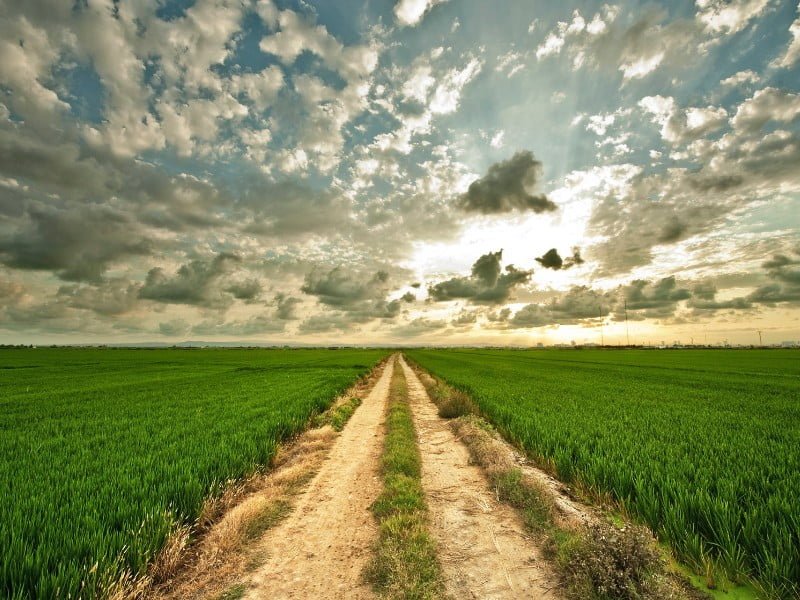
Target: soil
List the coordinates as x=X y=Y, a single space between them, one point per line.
x=322 y=548
x=482 y=544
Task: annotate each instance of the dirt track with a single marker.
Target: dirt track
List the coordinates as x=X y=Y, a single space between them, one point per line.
x=482 y=544
x=321 y=549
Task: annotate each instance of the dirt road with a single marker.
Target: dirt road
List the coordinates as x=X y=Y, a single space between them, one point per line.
x=321 y=549
x=482 y=544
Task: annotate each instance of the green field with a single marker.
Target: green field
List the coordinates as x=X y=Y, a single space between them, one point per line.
x=702 y=445
x=103 y=451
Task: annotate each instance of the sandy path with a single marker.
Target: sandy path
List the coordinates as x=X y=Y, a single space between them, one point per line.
x=482 y=544
x=321 y=549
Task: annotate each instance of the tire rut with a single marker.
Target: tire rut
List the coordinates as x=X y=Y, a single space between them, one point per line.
x=321 y=549
x=483 y=548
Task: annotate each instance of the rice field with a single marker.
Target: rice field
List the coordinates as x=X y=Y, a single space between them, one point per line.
x=702 y=445
x=104 y=451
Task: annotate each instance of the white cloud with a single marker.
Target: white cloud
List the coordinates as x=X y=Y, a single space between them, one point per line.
x=497 y=139
x=419 y=84
x=792 y=54
x=23 y=67
x=679 y=126
x=448 y=93
x=641 y=66
x=728 y=16
x=741 y=78
x=410 y=12
x=769 y=104
x=262 y=88
x=550 y=46
x=298 y=35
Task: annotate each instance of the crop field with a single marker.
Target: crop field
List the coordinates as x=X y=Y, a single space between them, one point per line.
x=102 y=452
x=703 y=446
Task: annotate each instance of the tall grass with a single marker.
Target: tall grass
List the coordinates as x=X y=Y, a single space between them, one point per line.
x=103 y=452
x=702 y=446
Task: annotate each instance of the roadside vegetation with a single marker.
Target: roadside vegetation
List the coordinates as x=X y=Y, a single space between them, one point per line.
x=104 y=454
x=596 y=560
x=405 y=565
x=700 y=446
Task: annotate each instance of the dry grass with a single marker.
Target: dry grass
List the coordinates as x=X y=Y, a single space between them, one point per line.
x=596 y=559
x=204 y=561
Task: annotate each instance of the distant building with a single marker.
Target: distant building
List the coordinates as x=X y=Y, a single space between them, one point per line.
x=789 y=344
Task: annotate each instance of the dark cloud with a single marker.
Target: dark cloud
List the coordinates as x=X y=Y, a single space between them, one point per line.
x=505 y=188
x=112 y=297
x=77 y=244
x=258 y=324
x=578 y=304
x=419 y=326
x=326 y=323
x=248 y=290
x=644 y=299
x=464 y=318
x=359 y=299
x=289 y=209
x=408 y=297
x=552 y=259
x=785 y=288
x=342 y=288
x=196 y=283
x=174 y=328
x=488 y=284
x=780 y=260
x=286 y=307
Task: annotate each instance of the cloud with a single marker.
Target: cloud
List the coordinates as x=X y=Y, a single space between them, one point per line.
x=651 y=299
x=769 y=104
x=741 y=78
x=792 y=53
x=410 y=12
x=248 y=289
x=728 y=16
x=417 y=327
x=488 y=283
x=255 y=325
x=297 y=35
x=112 y=297
x=644 y=299
x=174 y=328
x=785 y=288
x=339 y=287
x=505 y=188
x=679 y=126
x=359 y=299
x=199 y=283
x=552 y=259
x=286 y=307
x=77 y=244
x=579 y=303
x=635 y=50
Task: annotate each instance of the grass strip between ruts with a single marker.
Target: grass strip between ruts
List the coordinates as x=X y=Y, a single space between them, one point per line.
x=405 y=563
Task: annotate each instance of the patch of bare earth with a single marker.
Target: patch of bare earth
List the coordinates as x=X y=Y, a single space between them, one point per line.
x=483 y=547
x=231 y=542
x=321 y=549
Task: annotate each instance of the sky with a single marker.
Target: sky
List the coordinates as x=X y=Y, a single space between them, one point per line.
x=399 y=171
